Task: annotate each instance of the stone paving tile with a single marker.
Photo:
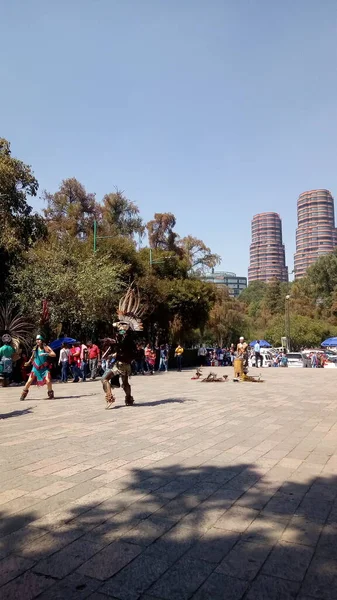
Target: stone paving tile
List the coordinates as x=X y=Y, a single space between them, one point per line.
x=244 y=561
x=288 y=561
x=67 y=560
x=138 y=576
x=229 y=490
x=181 y=580
x=272 y=588
x=321 y=579
x=221 y=587
x=110 y=560
x=26 y=587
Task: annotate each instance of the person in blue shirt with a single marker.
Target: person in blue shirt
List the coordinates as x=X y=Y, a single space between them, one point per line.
x=258 y=356
x=163 y=359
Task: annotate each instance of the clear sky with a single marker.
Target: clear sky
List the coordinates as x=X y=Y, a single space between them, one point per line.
x=213 y=110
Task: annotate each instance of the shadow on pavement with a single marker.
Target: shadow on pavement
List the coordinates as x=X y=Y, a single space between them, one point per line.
x=176 y=533
x=17 y=413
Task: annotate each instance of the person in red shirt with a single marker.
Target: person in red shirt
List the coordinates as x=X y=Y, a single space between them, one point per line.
x=94 y=356
x=75 y=361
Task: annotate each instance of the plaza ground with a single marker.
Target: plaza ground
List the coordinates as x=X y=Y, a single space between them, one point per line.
x=204 y=491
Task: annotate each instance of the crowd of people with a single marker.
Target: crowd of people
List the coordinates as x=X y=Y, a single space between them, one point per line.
x=83 y=361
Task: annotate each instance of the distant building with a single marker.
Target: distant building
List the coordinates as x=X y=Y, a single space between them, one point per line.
x=316 y=233
x=223 y=278
x=267 y=254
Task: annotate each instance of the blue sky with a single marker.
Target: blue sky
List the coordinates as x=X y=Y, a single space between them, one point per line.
x=211 y=110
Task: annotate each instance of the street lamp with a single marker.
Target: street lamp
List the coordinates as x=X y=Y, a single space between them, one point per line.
x=287 y=320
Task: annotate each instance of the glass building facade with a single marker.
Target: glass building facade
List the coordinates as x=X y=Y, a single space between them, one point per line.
x=234 y=284
x=267 y=253
x=315 y=233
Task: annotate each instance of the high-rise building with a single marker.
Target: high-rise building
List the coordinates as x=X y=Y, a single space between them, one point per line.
x=267 y=254
x=315 y=233
x=234 y=284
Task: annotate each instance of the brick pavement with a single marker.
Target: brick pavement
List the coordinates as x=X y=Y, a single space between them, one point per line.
x=203 y=491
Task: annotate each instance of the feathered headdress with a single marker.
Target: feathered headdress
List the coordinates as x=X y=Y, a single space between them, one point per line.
x=130 y=310
x=14 y=328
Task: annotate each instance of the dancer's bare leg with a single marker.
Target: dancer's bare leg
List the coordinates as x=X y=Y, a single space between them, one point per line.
x=27 y=386
x=127 y=389
x=109 y=397
x=49 y=387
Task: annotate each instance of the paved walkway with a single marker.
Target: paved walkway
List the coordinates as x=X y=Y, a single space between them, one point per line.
x=204 y=491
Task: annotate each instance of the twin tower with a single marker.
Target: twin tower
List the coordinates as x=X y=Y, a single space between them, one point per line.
x=315 y=236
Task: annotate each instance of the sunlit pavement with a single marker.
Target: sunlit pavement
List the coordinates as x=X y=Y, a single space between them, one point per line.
x=200 y=490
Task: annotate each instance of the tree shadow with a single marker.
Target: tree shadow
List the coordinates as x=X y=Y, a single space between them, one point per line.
x=17 y=413
x=175 y=532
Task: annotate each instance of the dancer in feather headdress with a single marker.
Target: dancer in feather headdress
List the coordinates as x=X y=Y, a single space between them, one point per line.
x=122 y=350
x=15 y=331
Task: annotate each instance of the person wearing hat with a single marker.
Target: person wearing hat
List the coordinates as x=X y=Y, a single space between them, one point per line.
x=7 y=356
x=40 y=372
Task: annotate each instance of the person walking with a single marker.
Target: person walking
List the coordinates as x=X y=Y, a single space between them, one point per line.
x=94 y=357
x=75 y=361
x=41 y=367
x=84 y=361
x=150 y=358
x=258 y=356
x=163 y=359
x=179 y=351
x=64 y=362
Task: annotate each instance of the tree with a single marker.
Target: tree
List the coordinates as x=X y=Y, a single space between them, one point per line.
x=323 y=274
x=121 y=216
x=71 y=210
x=226 y=319
x=304 y=331
x=198 y=255
x=20 y=226
x=161 y=234
x=82 y=288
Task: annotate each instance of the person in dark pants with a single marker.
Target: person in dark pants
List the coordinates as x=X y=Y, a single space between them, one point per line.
x=179 y=356
x=258 y=356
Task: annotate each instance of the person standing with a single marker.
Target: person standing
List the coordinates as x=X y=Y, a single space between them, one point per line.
x=179 y=351
x=163 y=359
x=40 y=367
x=140 y=358
x=150 y=358
x=84 y=360
x=63 y=362
x=75 y=361
x=94 y=357
x=202 y=355
x=257 y=350
x=7 y=356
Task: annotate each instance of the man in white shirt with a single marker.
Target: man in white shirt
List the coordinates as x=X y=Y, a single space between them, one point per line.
x=202 y=355
x=258 y=356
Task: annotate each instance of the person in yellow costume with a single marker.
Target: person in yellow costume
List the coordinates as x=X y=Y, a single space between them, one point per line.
x=179 y=351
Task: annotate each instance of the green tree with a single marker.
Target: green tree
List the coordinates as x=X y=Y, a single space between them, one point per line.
x=20 y=226
x=199 y=256
x=71 y=210
x=121 y=216
x=323 y=274
x=304 y=331
x=226 y=320
x=161 y=234
x=82 y=288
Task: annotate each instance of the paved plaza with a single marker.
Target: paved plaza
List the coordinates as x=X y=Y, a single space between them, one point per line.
x=205 y=491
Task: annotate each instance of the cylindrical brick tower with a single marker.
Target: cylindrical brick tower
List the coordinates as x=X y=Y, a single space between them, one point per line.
x=315 y=233
x=267 y=254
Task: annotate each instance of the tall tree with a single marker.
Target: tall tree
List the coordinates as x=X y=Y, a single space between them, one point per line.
x=199 y=256
x=226 y=319
x=121 y=216
x=71 y=210
x=161 y=234
x=20 y=226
